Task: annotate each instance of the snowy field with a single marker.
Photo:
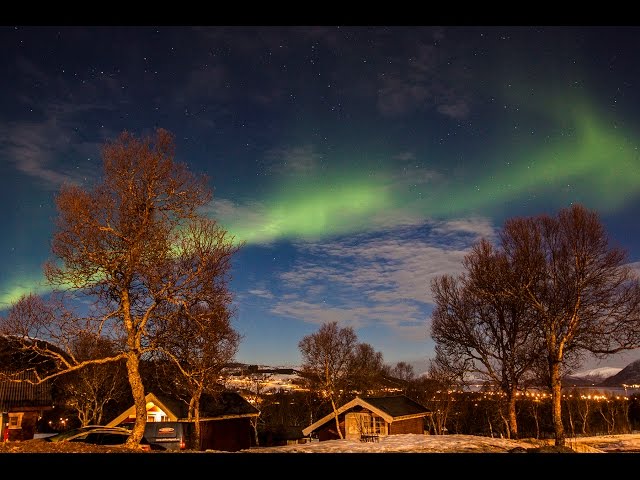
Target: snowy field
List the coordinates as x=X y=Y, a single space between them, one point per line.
x=415 y=443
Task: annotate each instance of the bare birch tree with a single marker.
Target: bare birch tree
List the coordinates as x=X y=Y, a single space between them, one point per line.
x=128 y=244
x=91 y=389
x=200 y=342
x=479 y=324
x=586 y=298
x=326 y=360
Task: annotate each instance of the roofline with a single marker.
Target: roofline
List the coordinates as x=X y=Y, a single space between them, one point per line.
x=149 y=397
x=363 y=403
x=221 y=417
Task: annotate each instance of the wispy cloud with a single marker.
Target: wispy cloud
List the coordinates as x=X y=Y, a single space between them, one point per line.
x=397 y=95
x=422 y=79
x=51 y=145
x=457 y=109
x=373 y=279
x=295 y=161
x=33 y=149
x=475 y=227
x=240 y=217
x=260 y=293
x=405 y=156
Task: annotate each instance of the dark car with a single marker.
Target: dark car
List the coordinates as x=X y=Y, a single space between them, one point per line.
x=96 y=435
x=72 y=433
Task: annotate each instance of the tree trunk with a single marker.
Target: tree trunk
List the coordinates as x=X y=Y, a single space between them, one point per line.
x=534 y=413
x=194 y=415
x=556 y=403
x=196 y=420
x=335 y=414
x=513 y=420
x=139 y=401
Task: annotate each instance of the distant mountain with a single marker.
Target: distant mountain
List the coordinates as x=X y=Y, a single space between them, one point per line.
x=629 y=375
x=589 y=378
x=601 y=373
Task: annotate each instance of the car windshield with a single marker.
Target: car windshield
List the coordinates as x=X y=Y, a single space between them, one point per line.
x=102 y=438
x=62 y=436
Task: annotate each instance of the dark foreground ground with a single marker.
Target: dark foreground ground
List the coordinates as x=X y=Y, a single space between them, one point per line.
x=46 y=458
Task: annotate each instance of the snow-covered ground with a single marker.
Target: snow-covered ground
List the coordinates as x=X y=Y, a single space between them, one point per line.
x=416 y=443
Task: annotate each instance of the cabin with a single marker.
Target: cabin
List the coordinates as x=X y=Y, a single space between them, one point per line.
x=370 y=417
x=22 y=405
x=23 y=402
x=226 y=419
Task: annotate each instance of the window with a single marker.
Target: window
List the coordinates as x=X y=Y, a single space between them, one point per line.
x=358 y=424
x=15 y=420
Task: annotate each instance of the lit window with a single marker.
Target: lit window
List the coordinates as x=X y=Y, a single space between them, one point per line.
x=15 y=420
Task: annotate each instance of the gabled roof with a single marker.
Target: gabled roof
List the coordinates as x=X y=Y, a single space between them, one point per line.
x=19 y=389
x=226 y=404
x=150 y=398
x=390 y=408
x=16 y=395
x=221 y=406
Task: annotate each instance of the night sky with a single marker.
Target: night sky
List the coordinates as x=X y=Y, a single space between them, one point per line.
x=356 y=163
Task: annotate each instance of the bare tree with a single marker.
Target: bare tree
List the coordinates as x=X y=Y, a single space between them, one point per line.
x=585 y=297
x=584 y=404
x=478 y=324
x=403 y=371
x=89 y=390
x=200 y=342
x=366 y=369
x=128 y=243
x=439 y=388
x=403 y=374
x=326 y=360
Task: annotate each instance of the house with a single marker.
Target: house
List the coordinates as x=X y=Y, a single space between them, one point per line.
x=369 y=418
x=23 y=401
x=22 y=404
x=226 y=419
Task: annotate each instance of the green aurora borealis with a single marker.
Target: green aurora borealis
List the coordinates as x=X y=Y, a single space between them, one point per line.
x=354 y=163
x=594 y=163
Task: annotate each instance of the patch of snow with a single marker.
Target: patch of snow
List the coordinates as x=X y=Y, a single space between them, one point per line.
x=602 y=372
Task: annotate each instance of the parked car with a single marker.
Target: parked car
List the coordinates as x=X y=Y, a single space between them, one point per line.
x=98 y=435
x=67 y=434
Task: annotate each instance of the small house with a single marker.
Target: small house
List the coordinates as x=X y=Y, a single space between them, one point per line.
x=23 y=401
x=369 y=418
x=226 y=420
x=22 y=404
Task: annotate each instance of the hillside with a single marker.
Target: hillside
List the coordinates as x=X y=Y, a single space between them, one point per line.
x=629 y=375
x=593 y=377
x=278 y=378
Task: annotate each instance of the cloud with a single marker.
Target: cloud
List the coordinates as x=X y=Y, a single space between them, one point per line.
x=373 y=279
x=261 y=293
x=405 y=156
x=296 y=161
x=459 y=109
x=476 y=227
x=425 y=75
x=398 y=96
x=52 y=146
x=245 y=221
x=33 y=147
x=423 y=78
